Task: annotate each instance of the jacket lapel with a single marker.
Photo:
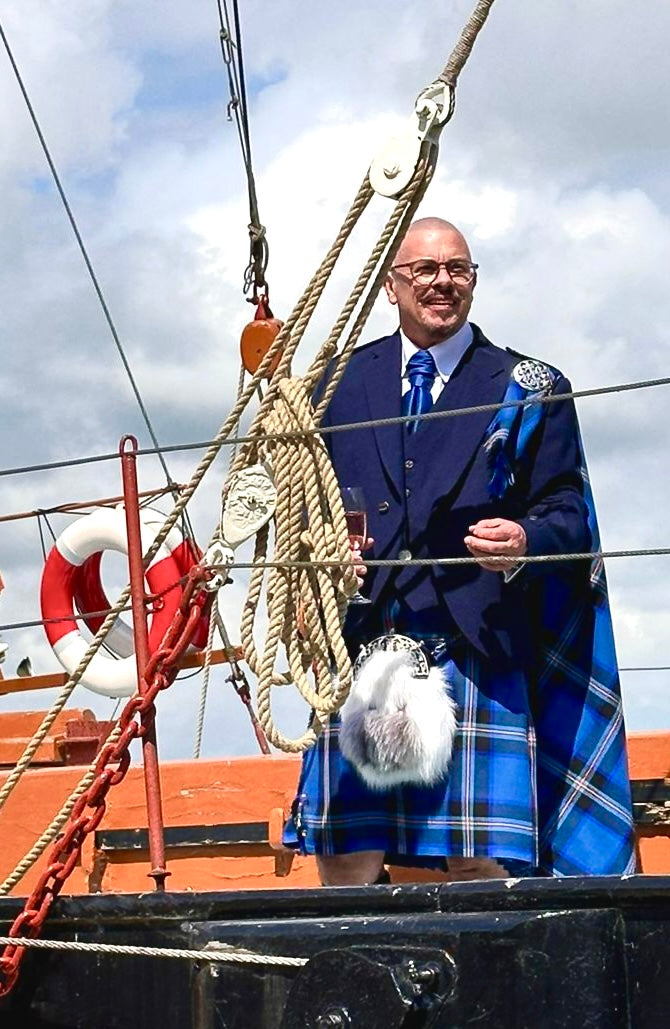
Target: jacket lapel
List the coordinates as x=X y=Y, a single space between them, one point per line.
x=479 y=379
x=381 y=380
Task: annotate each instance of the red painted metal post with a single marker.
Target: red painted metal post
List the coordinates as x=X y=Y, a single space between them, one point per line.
x=128 y=453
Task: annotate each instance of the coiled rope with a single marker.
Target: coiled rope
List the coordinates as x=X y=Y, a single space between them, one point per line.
x=306 y=303
x=309 y=520
x=325 y=534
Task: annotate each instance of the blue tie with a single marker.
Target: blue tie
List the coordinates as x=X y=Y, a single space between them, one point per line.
x=421 y=372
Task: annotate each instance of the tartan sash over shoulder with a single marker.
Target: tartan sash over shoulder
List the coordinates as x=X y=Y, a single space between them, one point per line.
x=583 y=789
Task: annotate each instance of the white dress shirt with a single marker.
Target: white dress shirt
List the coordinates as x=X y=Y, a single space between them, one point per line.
x=446 y=355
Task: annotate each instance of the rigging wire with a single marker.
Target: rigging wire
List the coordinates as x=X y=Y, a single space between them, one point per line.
x=84 y=253
x=73 y=506
x=231 y=51
x=239 y=104
x=396 y=562
x=349 y=426
x=42 y=520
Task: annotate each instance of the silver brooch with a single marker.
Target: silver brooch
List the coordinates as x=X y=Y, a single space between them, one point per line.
x=533 y=376
x=395 y=642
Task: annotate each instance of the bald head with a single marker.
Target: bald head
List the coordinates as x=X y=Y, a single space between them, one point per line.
x=431 y=227
x=432 y=311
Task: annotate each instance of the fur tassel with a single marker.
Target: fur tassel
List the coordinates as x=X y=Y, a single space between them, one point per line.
x=397 y=728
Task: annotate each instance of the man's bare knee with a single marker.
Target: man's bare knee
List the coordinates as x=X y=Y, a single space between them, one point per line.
x=361 y=868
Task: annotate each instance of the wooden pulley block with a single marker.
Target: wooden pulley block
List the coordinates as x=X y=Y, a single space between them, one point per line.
x=258 y=336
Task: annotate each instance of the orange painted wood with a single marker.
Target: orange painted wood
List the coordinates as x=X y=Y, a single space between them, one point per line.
x=649 y=755
x=18 y=727
x=654 y=851
x=194 y=793
x=247 y=789
x=24 y=723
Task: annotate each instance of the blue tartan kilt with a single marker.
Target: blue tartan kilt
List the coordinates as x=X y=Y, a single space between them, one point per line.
x=486 y=806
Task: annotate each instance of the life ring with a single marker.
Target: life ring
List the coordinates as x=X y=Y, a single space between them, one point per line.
x=71 y=579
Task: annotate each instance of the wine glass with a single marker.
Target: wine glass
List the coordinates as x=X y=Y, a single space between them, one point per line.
x=357 y=526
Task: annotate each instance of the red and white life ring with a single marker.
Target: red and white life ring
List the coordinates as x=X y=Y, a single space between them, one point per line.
x=71 y=580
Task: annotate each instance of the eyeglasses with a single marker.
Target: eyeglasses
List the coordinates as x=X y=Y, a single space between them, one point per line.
x=424 y=273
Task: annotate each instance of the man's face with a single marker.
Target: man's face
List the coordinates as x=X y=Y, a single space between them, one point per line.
x=430 y=314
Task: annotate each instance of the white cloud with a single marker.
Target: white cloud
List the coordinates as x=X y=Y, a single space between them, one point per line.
x=553 y=164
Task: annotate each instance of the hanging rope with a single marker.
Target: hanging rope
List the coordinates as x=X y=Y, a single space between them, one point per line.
x=231 y=50
x=323 y=596
x=466 y=42
x=204 y=689
x=309 y=520
x=306 y=303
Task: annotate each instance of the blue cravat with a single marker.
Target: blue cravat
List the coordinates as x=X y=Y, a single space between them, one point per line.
x=421 y=372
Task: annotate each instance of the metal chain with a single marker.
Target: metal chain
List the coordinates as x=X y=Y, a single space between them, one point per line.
x=111 y=766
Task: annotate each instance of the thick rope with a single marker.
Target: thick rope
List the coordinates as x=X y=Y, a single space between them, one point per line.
x=60 y=702
x=197 y=746
x=307 y=301
x=327 y=530
x=466 y=42
x=309 y=521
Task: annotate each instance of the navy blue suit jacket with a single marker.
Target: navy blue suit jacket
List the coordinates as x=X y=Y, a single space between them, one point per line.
x=423 y=491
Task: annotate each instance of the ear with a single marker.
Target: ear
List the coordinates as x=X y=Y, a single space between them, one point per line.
x=389 y=286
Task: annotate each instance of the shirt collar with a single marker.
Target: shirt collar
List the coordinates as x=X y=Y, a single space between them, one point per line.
x=446 y=354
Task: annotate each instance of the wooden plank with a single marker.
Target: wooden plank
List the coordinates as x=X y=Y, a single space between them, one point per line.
x=216 y=793
x=18 y=727
x=15 y=724
x=649 y=755
x=55 y=680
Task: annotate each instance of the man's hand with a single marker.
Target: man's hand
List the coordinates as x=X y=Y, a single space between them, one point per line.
x=496 y=537
x=359 y=567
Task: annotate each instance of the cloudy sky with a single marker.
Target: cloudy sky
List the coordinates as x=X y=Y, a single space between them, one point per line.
x=554 y=165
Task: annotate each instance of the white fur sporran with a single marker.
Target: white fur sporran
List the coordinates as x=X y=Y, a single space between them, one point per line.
x=397 y=727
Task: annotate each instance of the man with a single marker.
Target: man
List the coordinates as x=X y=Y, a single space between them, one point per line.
x=538 y=781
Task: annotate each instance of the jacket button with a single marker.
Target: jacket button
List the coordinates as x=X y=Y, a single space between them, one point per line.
x=383 y=507
x=408 y=492
x=409 y=464
x=404 y=555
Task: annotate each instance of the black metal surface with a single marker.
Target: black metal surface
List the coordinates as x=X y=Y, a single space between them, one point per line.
x=229 y=834
x=533 y=954
x=376 y=987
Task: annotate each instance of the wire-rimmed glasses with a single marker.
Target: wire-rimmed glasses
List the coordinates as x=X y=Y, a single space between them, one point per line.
x=425 y=271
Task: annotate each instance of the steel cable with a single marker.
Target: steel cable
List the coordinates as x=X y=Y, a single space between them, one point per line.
x=236 y=441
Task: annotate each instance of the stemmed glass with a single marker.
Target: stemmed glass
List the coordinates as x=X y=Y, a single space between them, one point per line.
x=357 y=525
